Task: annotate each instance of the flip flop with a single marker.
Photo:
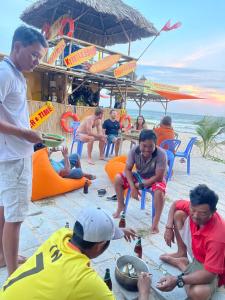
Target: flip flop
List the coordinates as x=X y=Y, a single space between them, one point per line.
x=113 y=198
x=101 y=192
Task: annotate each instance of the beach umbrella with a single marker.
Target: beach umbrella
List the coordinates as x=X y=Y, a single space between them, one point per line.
x=175 y=95
x=101 y=22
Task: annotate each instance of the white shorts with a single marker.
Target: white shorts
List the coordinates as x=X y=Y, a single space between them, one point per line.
x=185 y=234
x=15 y=188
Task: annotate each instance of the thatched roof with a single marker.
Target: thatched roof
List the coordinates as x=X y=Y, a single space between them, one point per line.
x=102 y=22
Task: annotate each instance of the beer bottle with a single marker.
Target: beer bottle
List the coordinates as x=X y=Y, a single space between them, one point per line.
x=107 y=279
x=86 y=187
x=67 y=225
x=122 y=223
x=138 y=248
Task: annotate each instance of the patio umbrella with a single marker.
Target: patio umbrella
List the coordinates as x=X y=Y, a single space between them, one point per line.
x=101 y=22
x=175 y=95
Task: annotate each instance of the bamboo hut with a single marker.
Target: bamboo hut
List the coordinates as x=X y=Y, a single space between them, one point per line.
x=100 y=22
x=97 y=23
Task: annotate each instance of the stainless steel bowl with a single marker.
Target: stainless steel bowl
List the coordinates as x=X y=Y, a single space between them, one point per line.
x=123 y=279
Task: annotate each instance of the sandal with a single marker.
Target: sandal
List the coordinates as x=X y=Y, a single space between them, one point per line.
x=113 y=198
x=101 y=192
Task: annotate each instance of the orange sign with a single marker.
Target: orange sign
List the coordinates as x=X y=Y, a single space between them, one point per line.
x=125 y=69
x=56 y=52
x=104 y=63
x=41 y=115
x=78 y=57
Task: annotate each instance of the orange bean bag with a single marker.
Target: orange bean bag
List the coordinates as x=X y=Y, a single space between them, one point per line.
x=46 y=181
x=114 y=166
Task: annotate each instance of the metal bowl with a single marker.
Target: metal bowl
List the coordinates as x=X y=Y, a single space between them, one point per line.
x=123 y=279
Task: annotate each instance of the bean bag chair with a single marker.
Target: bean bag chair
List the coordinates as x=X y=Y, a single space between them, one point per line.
x=114 y=166
x=122 y=158
x=47 y=182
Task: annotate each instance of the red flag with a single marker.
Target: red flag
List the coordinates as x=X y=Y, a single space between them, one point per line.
x=176 y=25
x=166 y=27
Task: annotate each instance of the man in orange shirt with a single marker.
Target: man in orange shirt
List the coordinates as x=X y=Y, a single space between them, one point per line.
x=200 y=231
x=165 y=130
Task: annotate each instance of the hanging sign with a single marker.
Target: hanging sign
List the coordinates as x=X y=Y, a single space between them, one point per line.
x=104 y=63
x=125 y=69
x=41 y=115
x=150 y=86
x=57 y=52
x=78 y=57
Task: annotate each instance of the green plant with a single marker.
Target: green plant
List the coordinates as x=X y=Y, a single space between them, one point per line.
x=209 y=129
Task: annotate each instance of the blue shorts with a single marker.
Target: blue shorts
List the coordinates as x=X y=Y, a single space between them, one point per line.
x=75 y=173
x=112 y=137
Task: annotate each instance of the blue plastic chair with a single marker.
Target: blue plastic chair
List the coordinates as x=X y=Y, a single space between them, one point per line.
x=80 y=144
x=170 y=158
x=187 y=153
x=171 y=145
x=109 y=148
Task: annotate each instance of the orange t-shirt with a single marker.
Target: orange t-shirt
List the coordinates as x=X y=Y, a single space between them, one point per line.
x=164 y=133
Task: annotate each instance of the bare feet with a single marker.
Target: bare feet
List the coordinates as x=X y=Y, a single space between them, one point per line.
x=176 y=254
x=102 y=158
x=154 y=230
x=21 y=260
x=181 y=263
x=90 y=176
x=90 y=161
x=116 y=215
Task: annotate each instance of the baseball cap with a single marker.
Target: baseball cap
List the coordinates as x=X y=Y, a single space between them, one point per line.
x=97 y=226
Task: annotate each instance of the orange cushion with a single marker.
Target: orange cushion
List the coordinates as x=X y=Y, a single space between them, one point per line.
x=122 y=158
x=46 y=181
x=114 y=166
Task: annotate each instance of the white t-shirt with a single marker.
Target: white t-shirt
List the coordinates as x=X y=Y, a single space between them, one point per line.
x=14 y=110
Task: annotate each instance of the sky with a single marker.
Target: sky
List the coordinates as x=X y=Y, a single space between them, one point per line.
x=191 y=57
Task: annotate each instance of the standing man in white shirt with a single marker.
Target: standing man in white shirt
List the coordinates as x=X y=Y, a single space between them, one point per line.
x=16 y=140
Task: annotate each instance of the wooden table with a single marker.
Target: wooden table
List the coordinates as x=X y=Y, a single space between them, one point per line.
x=132 y=137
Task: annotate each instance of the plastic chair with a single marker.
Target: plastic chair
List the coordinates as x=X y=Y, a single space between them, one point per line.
x=80 y=144
x=109 y=148
x=171 y=145
x=170 y=158
x=187 y=153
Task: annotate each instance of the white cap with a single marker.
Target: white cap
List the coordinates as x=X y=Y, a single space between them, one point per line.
x=97 y=226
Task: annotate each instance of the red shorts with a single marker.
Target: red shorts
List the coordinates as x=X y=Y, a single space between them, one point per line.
x=161 y=186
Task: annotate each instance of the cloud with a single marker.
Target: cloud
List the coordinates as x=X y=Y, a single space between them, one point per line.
x=210 y=95
x=213 y=49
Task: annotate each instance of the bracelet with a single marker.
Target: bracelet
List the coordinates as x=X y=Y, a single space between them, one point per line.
x=167 y=227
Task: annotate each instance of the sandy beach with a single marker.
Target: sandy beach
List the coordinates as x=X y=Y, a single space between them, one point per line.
x=48 y=215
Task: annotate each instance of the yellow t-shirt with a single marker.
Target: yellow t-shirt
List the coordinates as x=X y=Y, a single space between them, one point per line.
x=56 y=271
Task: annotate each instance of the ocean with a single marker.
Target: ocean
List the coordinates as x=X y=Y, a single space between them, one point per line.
x=181 y=122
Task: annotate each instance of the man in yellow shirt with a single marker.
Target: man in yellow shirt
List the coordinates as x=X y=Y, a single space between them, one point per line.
x=60 y=268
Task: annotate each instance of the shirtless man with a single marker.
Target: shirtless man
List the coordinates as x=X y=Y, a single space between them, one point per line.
x=86 y=133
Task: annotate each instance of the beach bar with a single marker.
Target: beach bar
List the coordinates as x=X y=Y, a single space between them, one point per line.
x=77 y=65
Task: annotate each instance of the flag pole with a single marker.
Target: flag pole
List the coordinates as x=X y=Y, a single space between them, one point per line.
x=143 y=52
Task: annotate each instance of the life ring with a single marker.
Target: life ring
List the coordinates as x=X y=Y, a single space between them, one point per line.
x=64 y=22
x=125 y=118
x=63 y=121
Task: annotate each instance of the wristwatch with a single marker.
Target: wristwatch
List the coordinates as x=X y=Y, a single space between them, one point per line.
x=180 y=281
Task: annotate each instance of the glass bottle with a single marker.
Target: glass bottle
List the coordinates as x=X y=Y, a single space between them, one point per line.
x=122 y=222
x=107 y=279
x=85 y=187
x=138 y=248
